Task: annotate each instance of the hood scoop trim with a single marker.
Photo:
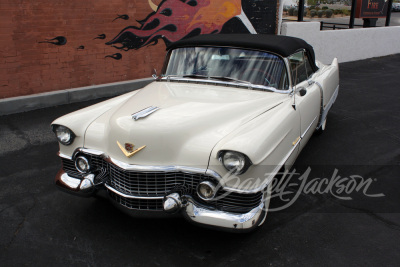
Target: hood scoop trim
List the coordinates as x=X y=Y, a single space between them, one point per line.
x=144 y=112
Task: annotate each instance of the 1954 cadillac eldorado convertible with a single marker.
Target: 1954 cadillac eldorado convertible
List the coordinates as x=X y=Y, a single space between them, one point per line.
x=206 y=138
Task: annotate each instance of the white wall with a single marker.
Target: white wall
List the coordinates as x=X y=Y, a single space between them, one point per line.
x=346 y=45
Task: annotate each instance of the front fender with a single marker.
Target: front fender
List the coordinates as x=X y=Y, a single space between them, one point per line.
x=78 y=121
x=268 y=141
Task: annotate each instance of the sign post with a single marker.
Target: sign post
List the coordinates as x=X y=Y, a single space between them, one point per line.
x=371 y=10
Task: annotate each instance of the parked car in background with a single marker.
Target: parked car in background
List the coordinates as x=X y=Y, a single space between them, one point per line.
x=206 y=138
x=395 y=6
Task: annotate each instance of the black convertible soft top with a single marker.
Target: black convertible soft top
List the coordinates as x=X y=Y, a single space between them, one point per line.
x=278 y=44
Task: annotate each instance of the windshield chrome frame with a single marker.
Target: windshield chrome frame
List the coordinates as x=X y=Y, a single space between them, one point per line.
x=238 y=84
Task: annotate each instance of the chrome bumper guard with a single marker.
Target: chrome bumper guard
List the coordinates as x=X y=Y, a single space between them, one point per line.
x=81 y=187
x=224 y=220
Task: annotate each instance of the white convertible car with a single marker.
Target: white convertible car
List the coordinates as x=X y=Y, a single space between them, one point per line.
x=206 y=138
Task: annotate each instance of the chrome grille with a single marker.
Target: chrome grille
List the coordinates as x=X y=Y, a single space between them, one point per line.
x=98 y=166
x=69 y=168
x=238 y=203
x=138 y=204
x=152 y=184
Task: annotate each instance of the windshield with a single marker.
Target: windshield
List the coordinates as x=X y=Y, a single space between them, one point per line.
x=228 y=64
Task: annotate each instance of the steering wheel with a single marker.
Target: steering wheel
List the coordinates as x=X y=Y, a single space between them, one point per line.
x=261 y=77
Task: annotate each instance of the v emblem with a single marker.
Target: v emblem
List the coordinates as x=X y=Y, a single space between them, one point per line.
x=129 y=154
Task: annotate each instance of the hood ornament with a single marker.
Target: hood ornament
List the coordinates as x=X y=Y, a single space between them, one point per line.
x=144 y=112
x=128 y=149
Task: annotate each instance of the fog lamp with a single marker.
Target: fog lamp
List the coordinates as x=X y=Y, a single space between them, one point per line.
x=206 y=190
x=82 y=164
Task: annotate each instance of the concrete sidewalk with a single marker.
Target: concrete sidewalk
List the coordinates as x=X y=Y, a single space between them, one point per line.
x=41 y=226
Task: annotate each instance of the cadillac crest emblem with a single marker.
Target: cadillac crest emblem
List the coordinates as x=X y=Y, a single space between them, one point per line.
x=128 y=149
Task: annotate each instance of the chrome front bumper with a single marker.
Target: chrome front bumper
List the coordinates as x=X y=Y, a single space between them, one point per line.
x=190 y=209
x=81 y=187
x=224 y=220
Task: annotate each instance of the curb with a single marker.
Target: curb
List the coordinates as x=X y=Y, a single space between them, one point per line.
x=43 y=100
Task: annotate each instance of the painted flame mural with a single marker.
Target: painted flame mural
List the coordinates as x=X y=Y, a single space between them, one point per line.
x=173 y=20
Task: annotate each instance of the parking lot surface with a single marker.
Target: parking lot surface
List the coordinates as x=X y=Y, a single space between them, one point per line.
x=42 y=226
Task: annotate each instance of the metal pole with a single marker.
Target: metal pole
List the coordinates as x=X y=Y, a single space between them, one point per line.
x=353 y=13
x=389 y=13
x=300 y=15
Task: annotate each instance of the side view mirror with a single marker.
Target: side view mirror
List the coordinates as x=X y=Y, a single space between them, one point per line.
x=155 y=74
x=302 y=91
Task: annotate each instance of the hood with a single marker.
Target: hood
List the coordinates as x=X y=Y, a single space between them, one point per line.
x=191 y=119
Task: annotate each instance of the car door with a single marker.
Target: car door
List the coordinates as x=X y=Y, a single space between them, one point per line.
x=307 y=95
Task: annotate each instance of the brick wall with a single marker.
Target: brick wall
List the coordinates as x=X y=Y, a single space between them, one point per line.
x=28 y=66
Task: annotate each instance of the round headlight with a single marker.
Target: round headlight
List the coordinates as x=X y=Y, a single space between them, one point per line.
x=235 y=162
x=82 y=164
x=64 y=135
x=206 y=190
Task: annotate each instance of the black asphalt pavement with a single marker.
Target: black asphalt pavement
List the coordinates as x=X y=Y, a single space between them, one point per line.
x=42 y=226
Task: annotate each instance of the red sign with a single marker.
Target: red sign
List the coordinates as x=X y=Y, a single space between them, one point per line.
x=371 y=8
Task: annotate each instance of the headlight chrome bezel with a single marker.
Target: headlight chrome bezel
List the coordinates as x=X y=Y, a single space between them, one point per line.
x=241 y=168
x=59 y=128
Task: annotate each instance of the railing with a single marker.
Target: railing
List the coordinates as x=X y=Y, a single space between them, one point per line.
x=330 y=25
x=336 y=26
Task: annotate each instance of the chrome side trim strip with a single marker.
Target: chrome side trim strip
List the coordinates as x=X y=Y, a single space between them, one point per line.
x=308 y=128
x=328 y=107
x=144 y=112
x=128 y=196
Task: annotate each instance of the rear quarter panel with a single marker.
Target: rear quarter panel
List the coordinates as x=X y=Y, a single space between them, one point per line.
x=328 y=77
